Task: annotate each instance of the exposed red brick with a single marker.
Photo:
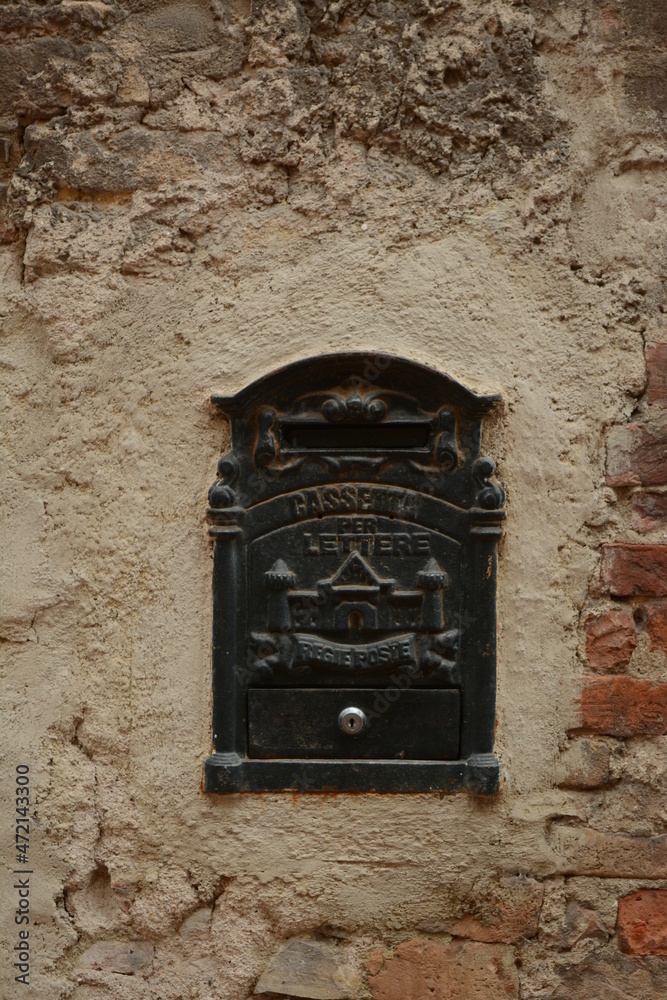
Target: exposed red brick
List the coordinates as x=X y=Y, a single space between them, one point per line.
x=623 y=706
x=656 y=367
x=629 y=570
x=637 y=455
x=656 y=625
x=583 y=765
x=456 y=971
x=504 y=912
x=610 y=640
x=642 y=922
x=649 y=510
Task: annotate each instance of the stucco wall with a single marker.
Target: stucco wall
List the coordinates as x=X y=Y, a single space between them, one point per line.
x=197 y=193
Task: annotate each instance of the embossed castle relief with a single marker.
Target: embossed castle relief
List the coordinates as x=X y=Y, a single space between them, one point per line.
x=355 y=526
x=361 y=619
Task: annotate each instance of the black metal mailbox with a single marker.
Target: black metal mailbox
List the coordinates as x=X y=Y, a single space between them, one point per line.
x=355 y=528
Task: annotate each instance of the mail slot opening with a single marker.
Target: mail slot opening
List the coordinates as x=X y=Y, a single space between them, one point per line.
x=302 y=436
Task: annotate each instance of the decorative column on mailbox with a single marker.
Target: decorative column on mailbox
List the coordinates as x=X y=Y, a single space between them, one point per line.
x=432 y=581
x=355 y=527
x=278 y=581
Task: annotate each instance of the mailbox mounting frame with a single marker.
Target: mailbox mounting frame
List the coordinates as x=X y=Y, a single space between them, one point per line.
x=376 y=441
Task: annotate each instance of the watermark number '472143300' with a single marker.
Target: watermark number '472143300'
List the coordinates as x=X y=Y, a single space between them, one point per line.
x=22 y=873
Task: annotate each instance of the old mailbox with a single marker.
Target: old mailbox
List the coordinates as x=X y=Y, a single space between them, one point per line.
x=355 y=528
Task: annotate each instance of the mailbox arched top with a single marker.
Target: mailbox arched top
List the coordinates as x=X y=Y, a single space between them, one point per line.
x=355 y=417
x=388 y=372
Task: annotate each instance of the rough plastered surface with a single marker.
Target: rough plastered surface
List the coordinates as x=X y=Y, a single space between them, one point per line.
x=192 y=194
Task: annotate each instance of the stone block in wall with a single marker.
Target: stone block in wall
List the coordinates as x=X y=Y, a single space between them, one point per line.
x=123 y=891
x=623 y=706
x=585 y=764
x=125 y=958
x=637 y=455
x=611 y=639
x=583 y=851
x=606 y=974
x=649 y=509
x=656 y=368
x=630 y=570
x=642 y=922
x=458 y=971
x=316 y=970
x=126 y=160
x=581 y=923
x=198 y=924
x=504 y=912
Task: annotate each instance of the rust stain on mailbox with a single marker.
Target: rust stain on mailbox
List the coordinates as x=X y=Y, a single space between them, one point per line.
x=355 y=526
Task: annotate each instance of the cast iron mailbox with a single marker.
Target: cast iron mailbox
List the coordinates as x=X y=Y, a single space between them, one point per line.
x=355 y=527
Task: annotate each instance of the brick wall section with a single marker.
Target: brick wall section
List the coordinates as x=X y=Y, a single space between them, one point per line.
x=615 y=705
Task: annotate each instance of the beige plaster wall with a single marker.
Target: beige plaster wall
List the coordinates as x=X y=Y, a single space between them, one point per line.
x=156 y=252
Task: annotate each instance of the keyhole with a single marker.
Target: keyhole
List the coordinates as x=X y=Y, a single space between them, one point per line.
x=355 y=620
x=352 y=721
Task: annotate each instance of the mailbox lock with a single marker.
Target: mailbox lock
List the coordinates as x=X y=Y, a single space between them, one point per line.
x=352 y=721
